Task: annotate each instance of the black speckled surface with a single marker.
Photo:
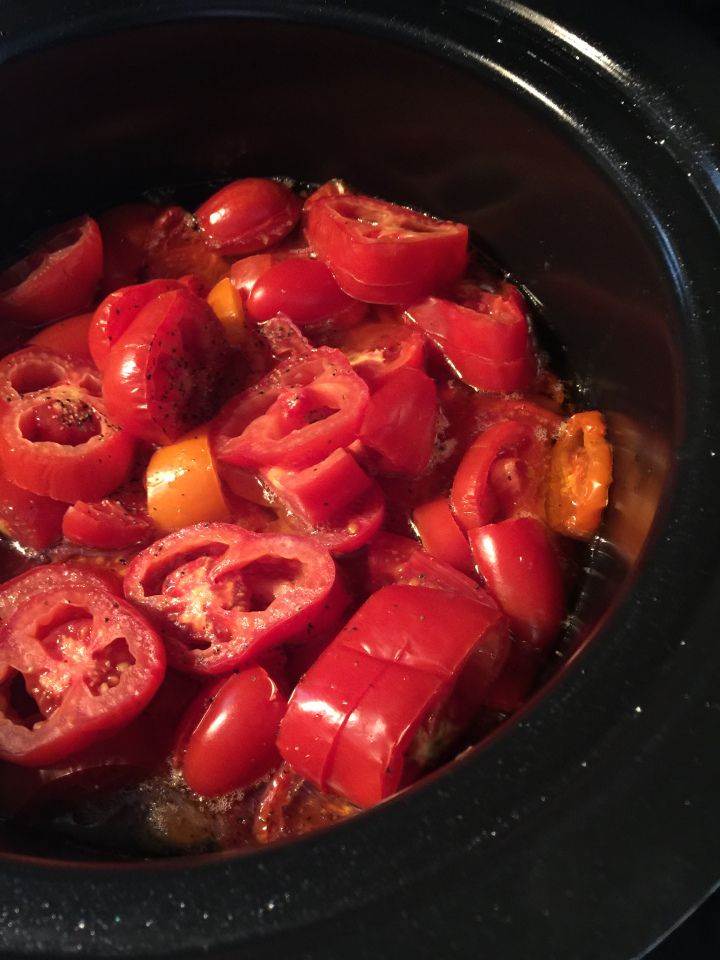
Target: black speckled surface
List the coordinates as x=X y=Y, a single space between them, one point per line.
x=586 y=828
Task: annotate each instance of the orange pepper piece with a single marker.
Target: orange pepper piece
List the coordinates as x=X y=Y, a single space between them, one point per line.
x=580 y=475
x=67 y=336
x=226 y=304
x=183 y=486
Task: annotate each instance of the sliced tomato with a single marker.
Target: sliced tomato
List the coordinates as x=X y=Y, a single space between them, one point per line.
x=161 y=377
x=521 y=569
x=68 y=336
x=38 y=368
x=331 y=188
x=125 y=232
x=305 y=291
x=400 y=422
x=183 y=485
x=517 y=677
x=229 y=741
x=580 y=476
x=35 y=522
x=488 y=344
x=59 y=277
x=175 y=247
x=383 y=253
x=441 y=535
x=295 y=417
x=333 y=501
x=354 y=714
x=376 y=351
x=248 y=216
x=391 y=559
x=78 y=663
x=117 y=311
x=60 y=443
x=503 y=474
x=223 y=595
x=105 y=525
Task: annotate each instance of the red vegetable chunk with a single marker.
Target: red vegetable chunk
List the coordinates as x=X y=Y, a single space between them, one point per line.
x=248 y=216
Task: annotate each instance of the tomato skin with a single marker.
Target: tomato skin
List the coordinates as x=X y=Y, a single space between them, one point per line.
x=302 y=289
x=106 y=525
x=400 y=422
x=441 y=536
x=232 y=745
x=248 y=216
x=160 y=377
x=117 y=311
x=273 y=423
x=353 y=714
x=108 y=665
x=60 y=443
x=175 y=247
x=56 y=279
x=580 y=476
x=334 y=501
x=245 y=273
x=487 y=345
x=125 y=232
x=35 y=522
x=223 y=595
x=502 y=474
x=377 y=351
x=68 y=336
x=522 y=572
x=383 y=253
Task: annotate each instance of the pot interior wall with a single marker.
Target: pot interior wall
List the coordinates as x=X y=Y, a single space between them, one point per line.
x=94 y=122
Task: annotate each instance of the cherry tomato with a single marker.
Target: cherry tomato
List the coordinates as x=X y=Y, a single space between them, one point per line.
x=78 y=663
x=161 y=376
x=68 y=336
x=302 y=289
x=117 y=311
x=35 y=522
x=378 y=350
x=58 y=278
x=580 y=476
x=441 y=535
x=125 y=232
x=382 y=253
x=248 y=216
x=230 y=743
x=183 y=486
x=105 y=525
x=296 y=416
x=400 y=422
x=488 y=345
x=501 y=475
x=245 y=273
x=60 y=443
x=354 y=713
x=175 y=247
x=521 y=569
x=223 y=595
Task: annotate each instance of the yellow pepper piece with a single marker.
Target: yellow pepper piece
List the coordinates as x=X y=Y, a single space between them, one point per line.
x=226 y=304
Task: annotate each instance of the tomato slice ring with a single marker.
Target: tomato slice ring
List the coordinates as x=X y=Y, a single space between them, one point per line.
x=77 y=663
x=223 y=595
x=60 y=443
x=36 y=368
x=296 y=416
x=56 y=279
x=501 y=475
x=580 y=476
x=383 y=253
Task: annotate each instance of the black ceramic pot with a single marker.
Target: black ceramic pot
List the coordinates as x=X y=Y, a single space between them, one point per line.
x=586 y=828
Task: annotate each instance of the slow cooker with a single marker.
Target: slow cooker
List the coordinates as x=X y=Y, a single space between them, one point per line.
x=584 y=826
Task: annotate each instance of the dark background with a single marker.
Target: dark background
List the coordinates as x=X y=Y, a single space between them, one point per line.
x=656 y=36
